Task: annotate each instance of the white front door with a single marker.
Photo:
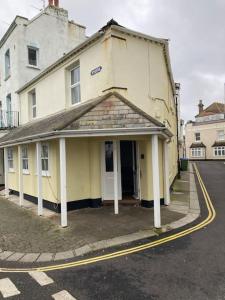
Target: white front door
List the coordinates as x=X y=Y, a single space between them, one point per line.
x=108 y=171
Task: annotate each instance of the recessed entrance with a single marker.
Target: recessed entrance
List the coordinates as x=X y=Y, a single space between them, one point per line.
x=128 y=157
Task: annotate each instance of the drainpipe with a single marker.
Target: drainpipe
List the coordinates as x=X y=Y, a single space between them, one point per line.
x=177 y=86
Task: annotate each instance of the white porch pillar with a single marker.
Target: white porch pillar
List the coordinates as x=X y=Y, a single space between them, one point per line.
x=166 y=172
x=39 y=179
x=6 y=170
x=156 y=182
x=63 y=193
x=115 y=168
x=20 y=167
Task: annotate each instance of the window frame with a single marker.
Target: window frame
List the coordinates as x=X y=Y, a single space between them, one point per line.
x=75 y=85
x=219 y=151
x=25 y=158
x=7 y=64
x=218 y=135
x=37 y=56
x=45 y=173
x=196 y=139
x=10 y=159
x=32 y=106
x=197 y=152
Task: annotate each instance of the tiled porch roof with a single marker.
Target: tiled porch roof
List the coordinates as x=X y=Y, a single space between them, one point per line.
x=197 y=145
x=110 y=111
x=218 y=143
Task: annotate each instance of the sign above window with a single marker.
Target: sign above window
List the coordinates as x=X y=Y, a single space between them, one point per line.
x=96 y=70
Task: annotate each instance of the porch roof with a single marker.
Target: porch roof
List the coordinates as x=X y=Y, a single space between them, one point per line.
x=109 y=114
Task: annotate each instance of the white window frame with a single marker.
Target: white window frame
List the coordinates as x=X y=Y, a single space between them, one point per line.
x=76 y=84
x=219 y=151
x=197 y=140
x=45 y=173
x=197 y=152
x=37 y=57
x=7 y=64
x=10 y=159
x=25 y=159
x=220 y=137
x=32 y=106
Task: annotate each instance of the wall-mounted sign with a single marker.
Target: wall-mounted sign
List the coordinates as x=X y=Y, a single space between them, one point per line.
x=96 y=70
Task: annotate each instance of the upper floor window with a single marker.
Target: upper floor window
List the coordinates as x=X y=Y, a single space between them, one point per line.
x=9 y=113
x=32 y=104
x=220 y=134
x=25 y=159
x=32 y=56
x=197 y=136
x=75 y=85
x=10 y=159
x=45 y=159
x=7 y=64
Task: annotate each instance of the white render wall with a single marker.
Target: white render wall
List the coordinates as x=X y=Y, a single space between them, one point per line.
x=51 y=32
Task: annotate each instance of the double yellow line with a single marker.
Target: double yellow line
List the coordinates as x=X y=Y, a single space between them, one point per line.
x=208 y=220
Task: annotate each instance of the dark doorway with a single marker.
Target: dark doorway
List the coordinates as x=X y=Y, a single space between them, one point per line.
x=128 y=167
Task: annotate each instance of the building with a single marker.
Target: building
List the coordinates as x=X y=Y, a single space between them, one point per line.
x=26 y=49
x=103 y=127
x=205 y=138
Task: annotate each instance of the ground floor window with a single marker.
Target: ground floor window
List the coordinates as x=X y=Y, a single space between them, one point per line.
x=25 y=163
x=219 y=151
x=10 y=159
x=45 y=159
x=197 y=152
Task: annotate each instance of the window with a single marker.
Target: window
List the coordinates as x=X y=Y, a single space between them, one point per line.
x=197 y=152
x=219 y=151
x=75 y=85
x=9 y=113
x=33 y=56
x=220 y=135
x=32 y=104
x=109 y=156
x=10 y=159
x=45 y=159
x=197 y=136
x=25 y=164
x=7 y=64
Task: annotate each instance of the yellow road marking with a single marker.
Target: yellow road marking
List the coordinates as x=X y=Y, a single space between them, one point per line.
x=211 y=216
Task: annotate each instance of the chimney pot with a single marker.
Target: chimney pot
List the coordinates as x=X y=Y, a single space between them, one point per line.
x=53 y=3
x=200 y=106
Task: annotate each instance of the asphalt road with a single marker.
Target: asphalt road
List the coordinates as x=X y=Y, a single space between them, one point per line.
x=192 y=267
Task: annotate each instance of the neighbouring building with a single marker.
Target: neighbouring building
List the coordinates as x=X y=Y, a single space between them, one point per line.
x=103 y=127
x=26 y=49
x=205 y=137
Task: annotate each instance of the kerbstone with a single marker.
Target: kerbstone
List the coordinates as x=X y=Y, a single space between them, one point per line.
x=45 y=257
x=30 y=257
x=64 y=255
x=15 y=257
x=82 y=250
x=5 y=254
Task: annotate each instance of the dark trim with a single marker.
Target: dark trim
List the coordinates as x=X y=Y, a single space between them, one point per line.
x=150 y=203
x=115 y=87
x=118 y=37
x=72 y=205
x=207 y=159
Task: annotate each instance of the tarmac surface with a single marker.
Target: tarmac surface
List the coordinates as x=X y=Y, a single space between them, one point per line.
x=192 y=267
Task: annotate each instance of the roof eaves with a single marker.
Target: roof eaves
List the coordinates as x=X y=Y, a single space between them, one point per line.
x=61 y=60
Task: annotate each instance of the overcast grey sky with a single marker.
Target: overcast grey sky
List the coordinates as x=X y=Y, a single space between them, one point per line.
x=196 y=29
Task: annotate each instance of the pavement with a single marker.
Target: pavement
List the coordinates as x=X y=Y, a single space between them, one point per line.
x=27 y=238
x=191 y=267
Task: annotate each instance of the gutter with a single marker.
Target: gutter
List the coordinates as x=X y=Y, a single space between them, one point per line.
x=89 y=133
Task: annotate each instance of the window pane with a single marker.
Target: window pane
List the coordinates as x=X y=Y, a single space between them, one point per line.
x=34 y=112
x=75 y=94
x=25 y=164
x=32 y=56
x=7 y=63
x=44 y=163
x=33 y=98
x=44 y=151
x=109 y=156
x=75 y=76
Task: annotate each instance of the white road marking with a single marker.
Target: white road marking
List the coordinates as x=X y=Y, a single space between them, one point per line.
x=63 y=295
x=7 y=288
x=41 y=278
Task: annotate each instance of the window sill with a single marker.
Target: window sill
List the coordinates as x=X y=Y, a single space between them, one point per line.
x=74 y=104
x=45 y=174
x=33 y=67
x=26 y=172
x=11 y=171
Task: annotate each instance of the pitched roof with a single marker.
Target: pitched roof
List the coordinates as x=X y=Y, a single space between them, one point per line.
x=213 y=109
x=77 y=118
x=198 y=145
x=218 y=143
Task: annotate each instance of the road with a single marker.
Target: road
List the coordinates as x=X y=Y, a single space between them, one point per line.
x=192 y=267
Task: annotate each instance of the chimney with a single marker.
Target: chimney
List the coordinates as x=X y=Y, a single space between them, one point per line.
x=53 y=3
x=200 y=106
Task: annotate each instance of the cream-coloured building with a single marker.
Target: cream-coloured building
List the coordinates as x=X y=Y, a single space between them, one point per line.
x=205 y=137
x=103 y=127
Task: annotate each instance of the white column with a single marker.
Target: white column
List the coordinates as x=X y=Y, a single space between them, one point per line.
x=6 y=170
x=39 y=179
x=20 y=167
x=156 y=182
x=63 y=194
x=115 y=168
x=166 y=172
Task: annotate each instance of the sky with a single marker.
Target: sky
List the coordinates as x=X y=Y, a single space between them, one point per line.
x=195 y=28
